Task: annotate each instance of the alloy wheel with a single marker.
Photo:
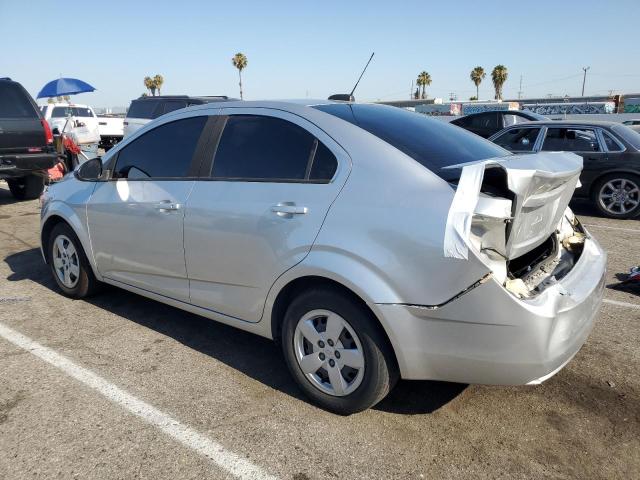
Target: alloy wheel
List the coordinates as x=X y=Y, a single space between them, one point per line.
x=619 y=196
x=65 y=261
x=329 y=352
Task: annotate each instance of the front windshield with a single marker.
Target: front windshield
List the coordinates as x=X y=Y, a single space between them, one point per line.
x=435 y=144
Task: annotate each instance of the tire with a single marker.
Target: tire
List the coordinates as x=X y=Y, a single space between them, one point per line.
x=617 y=195
x=65 y=250
x=26 y=188
x=303 y=337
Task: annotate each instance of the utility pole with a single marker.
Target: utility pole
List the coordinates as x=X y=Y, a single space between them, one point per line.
x=584 y=78
x=520 y=90
x=452 y=96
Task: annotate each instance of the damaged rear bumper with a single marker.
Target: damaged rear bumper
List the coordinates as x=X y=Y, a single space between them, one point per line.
x=489 y=336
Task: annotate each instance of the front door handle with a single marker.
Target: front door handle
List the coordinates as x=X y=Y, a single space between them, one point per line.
x=288 y=210
x=168 y=206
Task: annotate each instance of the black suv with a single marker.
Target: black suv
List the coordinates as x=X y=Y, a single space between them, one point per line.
x=486 y=124
x=26 y=142
x=144 y=109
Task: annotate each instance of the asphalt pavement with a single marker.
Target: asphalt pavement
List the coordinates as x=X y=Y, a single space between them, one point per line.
x=122 y=387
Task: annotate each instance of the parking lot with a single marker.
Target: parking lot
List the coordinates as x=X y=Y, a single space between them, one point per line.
x=124 y=387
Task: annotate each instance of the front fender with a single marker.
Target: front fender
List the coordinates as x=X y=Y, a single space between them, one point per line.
x=71 y=209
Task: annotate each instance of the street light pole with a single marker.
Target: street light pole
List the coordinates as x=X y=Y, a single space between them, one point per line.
x=584 y=78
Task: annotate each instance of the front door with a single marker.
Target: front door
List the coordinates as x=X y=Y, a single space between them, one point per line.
x=136 y=218
x=273 y=179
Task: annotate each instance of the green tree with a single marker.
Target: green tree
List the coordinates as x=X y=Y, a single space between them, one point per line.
x=424 y=80
x=499 y=76
x=148 y=82
x=477 y=75
x=158 y=81
x=239 y=61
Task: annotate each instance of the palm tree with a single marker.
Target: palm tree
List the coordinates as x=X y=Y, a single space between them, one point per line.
x=424 y=80
x=239 y=61
x=499 y=76
x=477 y=75
x=151 y=86
x=158 y=81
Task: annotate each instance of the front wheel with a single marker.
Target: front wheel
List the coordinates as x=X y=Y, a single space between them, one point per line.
x=69 y=264
x=336 y=352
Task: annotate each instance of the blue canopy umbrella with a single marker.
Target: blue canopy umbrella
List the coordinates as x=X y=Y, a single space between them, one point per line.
x=64 y=86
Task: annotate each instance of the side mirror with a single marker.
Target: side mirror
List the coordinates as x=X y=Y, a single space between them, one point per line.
x=90 y=171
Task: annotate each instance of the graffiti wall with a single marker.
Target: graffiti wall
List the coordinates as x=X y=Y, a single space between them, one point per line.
x=632 y=105
x=469 y=108
x=570 y=108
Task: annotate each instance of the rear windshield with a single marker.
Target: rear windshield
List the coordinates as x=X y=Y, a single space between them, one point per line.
x=61 y=112
x=15 y=102
x=433 y=143
x=142 y=109
x=630 y=136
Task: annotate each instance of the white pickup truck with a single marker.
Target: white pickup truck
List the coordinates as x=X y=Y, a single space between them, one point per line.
x=110 y=127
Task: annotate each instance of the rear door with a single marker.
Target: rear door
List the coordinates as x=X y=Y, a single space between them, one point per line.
x=260 y=208
x=136 y=218
x=583 y=141
x=21 y=129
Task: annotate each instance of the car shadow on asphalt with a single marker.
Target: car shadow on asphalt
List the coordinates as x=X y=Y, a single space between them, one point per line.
x=257 y=357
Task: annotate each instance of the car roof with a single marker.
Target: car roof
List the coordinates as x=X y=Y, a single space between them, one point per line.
x=562 y=123
x=201 y=98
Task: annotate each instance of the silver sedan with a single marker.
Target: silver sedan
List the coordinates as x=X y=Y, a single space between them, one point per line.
x=373 y=243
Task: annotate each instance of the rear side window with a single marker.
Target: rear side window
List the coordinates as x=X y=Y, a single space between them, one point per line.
x=171 y=106
x=15 y=102
x=630 y=136
x=164 y=152
x=433 y=143
x=484 y=120
x=264 y=148
x=571 y=140
x=518 y=139
x=513 y=119
x=142 y=109
x=612 y=144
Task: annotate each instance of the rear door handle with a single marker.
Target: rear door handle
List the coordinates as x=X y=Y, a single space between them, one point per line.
x=288 y=210
x=168 y=206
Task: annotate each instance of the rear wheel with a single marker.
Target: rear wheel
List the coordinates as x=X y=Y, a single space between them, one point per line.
x=69 y=264
x=618 y=195
x=336 y=352
x=26 y=188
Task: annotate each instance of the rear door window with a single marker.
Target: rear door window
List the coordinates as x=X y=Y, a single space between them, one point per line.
x=513 y=119
x=142 y=109
x=488 y=120
x=261 y=148
x=518 y=139
x=567 y=139
x=164 y=152
x=14 y=102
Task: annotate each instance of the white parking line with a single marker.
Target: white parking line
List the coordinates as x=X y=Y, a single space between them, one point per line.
x=621 y=304
x=229 y=461
x=633 y=230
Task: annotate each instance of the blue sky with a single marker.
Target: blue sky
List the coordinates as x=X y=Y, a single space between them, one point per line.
x=316 y=48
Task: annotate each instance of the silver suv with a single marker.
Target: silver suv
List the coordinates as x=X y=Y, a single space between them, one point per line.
x=373 y=243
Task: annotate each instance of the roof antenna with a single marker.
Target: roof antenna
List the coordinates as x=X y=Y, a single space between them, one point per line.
x=349 y=97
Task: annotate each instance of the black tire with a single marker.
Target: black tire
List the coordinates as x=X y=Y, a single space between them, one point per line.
x=86 y=284
x=380 y=368
x=633 y=182
x=26 y=188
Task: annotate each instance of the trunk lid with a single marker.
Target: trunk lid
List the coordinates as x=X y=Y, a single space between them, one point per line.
x=543 y=184
x=512 y=204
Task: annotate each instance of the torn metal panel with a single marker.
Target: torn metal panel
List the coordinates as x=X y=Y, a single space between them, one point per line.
x=537 y=191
